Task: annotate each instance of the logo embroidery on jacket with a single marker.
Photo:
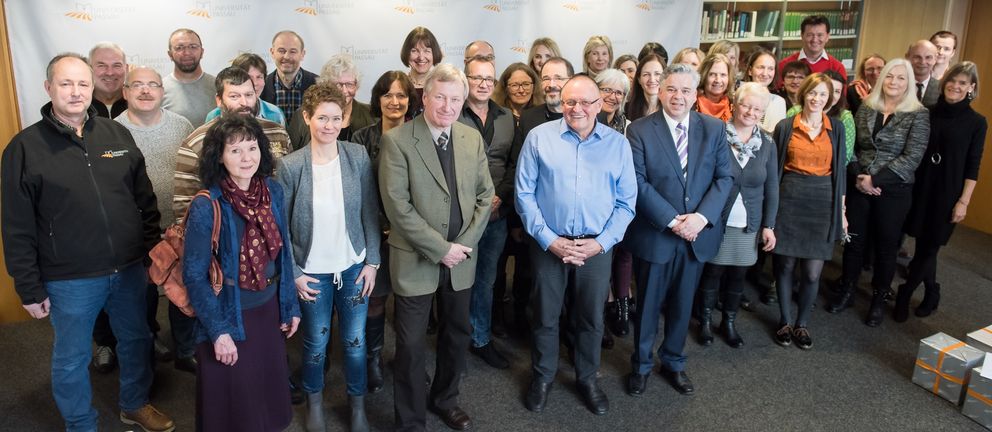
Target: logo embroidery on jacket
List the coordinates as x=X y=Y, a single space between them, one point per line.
x=110 y=154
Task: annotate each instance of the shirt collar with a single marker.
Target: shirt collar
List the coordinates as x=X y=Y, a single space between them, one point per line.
x=436 y=132
x=297 y=80
x=672 y=123
x=802 y=56
x=564 y=128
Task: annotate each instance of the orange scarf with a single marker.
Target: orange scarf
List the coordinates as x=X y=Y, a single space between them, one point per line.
x=720 y=110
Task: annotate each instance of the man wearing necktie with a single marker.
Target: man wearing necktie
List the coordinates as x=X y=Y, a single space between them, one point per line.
x=682 y=161
x=575 y=194
x=922 y=54
x=437 y=193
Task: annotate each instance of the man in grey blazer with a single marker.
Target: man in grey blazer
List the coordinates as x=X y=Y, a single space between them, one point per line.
x=922 y=54
x=437 y=193
x=495 y=123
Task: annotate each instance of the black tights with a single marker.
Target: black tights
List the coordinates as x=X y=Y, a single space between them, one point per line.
x=733 y=284
x=809 y=284
x=923 y=268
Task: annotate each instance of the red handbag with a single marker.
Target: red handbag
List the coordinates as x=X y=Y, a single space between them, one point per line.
x=167 y=260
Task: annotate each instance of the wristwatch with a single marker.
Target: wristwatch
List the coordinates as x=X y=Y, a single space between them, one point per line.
x=374 y=266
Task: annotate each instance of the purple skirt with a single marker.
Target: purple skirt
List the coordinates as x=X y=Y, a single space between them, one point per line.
x=252 y=395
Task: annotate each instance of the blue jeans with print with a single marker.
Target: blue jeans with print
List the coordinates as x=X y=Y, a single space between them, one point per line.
x=75 y=305
x=352 y=310
x=481 y=308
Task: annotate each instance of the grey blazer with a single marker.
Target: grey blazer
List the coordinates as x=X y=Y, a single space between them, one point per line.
x=361 y=204
x=757 y=183
x=498 y=153
x=893 y=155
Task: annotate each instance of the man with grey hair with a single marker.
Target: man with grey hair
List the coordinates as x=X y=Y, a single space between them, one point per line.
x=284 y=87
x=159 y=133
x=79 y=218
x=684 y=177
x=437 y=194
x=189 y=91
x=922 y=54
x=480 y=48
x=109 y=67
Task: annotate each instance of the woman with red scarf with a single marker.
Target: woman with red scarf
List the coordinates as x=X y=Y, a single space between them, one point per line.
x=241 y=331
x=716 y=84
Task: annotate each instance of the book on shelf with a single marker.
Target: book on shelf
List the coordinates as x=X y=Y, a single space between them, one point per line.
x=842 y=23
x=727 y=24
x=845 y=55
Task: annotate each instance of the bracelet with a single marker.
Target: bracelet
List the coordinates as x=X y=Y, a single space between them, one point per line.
x=963 y=203
x=374 y=266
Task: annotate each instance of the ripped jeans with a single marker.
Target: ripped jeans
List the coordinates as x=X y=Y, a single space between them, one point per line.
x=337 y=292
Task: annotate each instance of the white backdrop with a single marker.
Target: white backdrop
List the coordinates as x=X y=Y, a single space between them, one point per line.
x=371 y=30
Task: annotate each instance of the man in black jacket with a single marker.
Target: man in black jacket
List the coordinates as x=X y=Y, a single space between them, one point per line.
x=79 y=218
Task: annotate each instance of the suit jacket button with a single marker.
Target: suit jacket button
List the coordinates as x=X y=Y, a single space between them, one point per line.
x=444 y=225
x=445 y=199
x=686 y=199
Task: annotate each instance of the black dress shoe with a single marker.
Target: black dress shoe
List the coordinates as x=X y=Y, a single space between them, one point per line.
x=454 y=418
x=186 y=364
x=593 y=396
x=636 y=383
x=537 y=396
x=679 y=380
x=492 y=357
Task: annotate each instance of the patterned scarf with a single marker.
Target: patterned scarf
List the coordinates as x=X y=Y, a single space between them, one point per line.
x=261 y=241
x=745 y=150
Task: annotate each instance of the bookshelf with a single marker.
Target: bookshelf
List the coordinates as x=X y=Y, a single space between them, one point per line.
x=774 y=24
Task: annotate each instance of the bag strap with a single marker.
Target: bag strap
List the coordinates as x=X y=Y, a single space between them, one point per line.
x=215 y=233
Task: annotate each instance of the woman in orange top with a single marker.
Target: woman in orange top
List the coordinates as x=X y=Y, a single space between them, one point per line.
x=811 y=217
x=716 y=86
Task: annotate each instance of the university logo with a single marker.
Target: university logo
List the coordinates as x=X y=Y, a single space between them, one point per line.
x=571 y=6
x=110 y=154
x=406 y=7
x=410 y=7
x=493 y=5
x=82 y=12
x=309 y=8
x=201 y=8
x=520 y=47
x=649 y=5
x=644 y=5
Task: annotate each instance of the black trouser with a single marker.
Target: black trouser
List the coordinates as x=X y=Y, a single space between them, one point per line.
x=876 y=219
x=923 y=267
x=522 y=280
x=583 y=292
x=454 y=335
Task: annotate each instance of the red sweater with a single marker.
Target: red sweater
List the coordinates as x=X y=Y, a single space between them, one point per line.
x=831 y=63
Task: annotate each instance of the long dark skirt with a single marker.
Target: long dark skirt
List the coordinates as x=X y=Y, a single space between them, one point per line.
x=252 y=395
x=803 y=224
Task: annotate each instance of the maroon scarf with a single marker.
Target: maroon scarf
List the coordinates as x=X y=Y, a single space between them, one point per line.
x=261 y=241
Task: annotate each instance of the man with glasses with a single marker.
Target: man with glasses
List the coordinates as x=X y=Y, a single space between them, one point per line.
x=285 y=86
x=684 y=177
x=575 y=192
x=495 y=124
x=158 y=133
x=189 y=91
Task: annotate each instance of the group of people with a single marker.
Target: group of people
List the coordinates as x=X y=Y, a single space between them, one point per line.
x=676 y=179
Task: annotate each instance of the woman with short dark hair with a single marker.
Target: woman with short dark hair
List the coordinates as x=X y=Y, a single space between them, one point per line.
x=420 y=52
x=241 y=331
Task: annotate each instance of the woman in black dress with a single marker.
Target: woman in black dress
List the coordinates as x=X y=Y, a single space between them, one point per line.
x=945 y=181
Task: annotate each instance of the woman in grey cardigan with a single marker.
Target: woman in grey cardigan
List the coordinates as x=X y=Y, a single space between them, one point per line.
x=893 y=130
x=334 y=226
x=750 y=209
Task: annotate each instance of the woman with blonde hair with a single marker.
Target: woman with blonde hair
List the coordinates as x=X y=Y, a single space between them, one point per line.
x=542 y=50
x=893 y=130
x=690 y=56
x=597 y=55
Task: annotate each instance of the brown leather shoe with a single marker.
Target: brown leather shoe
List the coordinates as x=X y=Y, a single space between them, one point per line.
x=149 y=419
x=454 y=418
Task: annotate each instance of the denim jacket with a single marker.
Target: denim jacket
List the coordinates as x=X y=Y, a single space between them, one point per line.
x=217 y=315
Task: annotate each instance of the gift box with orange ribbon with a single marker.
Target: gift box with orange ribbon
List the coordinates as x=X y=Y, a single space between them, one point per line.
x=943 y=365
x=978 y=399
x=981 y=339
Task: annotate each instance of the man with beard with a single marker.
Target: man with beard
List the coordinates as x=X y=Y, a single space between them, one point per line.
x=235 y=94
x=285 y=86
x=158 y=134
x=189 y=91
x=109 y=66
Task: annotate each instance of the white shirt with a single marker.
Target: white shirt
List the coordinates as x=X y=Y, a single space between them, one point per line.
x=802 y=55
x=738 y=213
x=774 y=113
x=435 y=132
x=926 y=83
x=330 y=249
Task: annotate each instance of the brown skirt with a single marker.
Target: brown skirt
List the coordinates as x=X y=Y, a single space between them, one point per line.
x=252 y=395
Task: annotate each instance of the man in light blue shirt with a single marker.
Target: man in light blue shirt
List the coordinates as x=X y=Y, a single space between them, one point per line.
x=575 y=192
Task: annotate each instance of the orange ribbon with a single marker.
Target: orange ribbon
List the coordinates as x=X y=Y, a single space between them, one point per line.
x=979 y=397
x=940 y=364
x=986 y=330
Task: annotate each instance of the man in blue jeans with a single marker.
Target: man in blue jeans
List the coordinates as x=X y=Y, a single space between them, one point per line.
x=495 y=124
x=79 y=218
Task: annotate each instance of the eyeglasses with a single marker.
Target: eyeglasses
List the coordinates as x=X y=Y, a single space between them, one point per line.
x=748 y=108
x=349 y=85
x=181 y=48
x=520 y=86
x=138 y=85
x=791 y=77
x=611 y=92
x=555 y=78
x=571 y=103
x=476 y=80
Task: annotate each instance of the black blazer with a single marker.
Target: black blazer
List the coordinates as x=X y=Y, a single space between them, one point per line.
x=757 y=183
x=269 y=92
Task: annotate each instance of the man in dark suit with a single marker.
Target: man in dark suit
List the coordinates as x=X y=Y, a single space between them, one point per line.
x=682 y=162
x=437 y=193
x=922 y=54
x=284 y=87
